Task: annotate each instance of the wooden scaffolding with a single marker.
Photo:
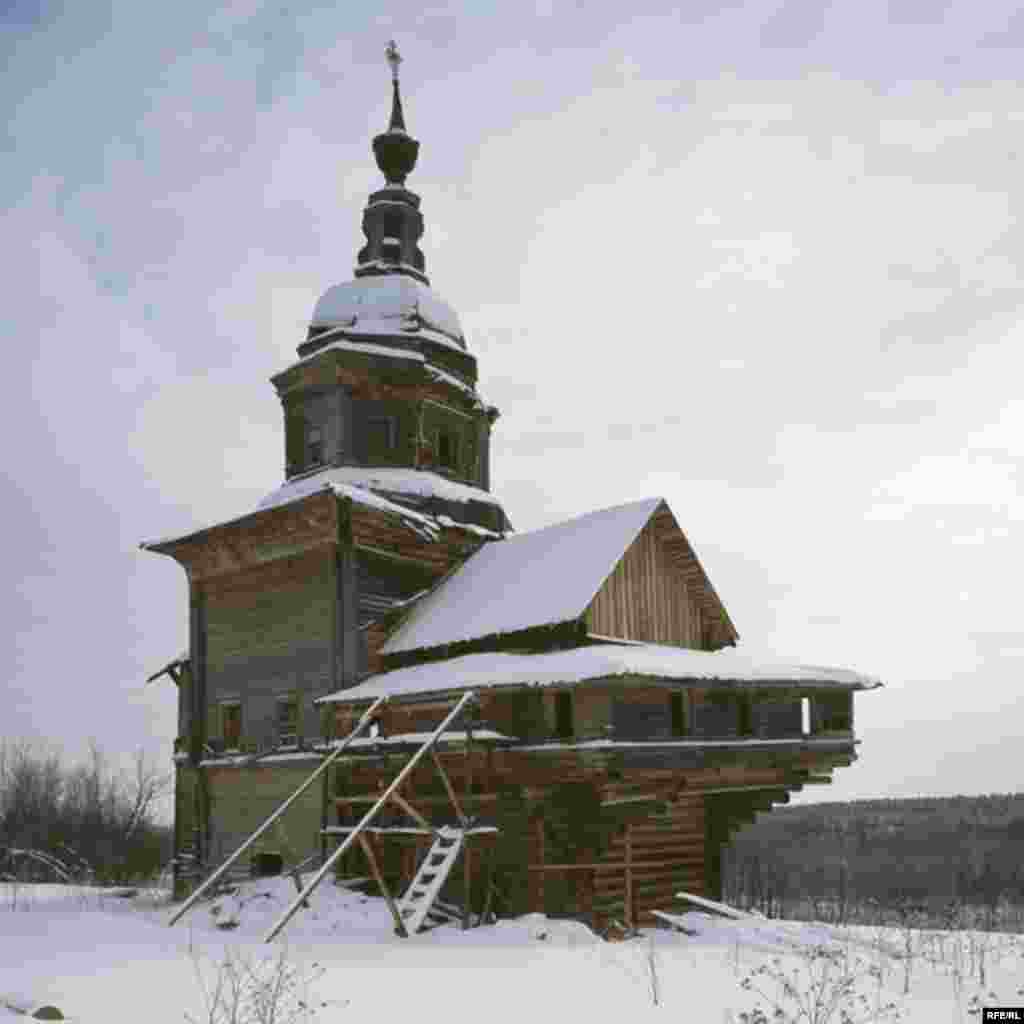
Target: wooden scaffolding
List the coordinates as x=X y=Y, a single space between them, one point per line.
x=419 y=905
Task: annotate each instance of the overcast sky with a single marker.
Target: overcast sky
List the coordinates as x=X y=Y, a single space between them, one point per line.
x=762 y=259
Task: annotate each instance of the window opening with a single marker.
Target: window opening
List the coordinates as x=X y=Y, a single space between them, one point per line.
x=563 y=715
x=380 y=434
x=447 y=449
x=231 y=718
x=314 y=445
x=287 y=721
x=678 y=714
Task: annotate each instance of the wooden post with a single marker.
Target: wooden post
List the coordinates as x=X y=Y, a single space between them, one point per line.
x=469 y=754
x=466 y=875
x=537 y=877
x=410 y=810
x=364 y=842
x=408 y=865
x=714 y=835
x=449 y=789
x=488 y=882
x=629 y=908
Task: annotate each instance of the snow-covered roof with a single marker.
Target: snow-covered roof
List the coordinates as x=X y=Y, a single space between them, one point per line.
x=344 y=344
x=303 y=487
x=386 y=300
x=600 y=661
x=419 y=482
x=533 y=579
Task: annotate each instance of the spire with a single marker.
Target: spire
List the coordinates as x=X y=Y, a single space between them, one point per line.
x=394 y=58
x=395 y=150
x=392 y=221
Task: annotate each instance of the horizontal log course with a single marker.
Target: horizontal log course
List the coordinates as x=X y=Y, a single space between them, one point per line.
x=661 y=838
x=602 y=867
x=668 y=852
x=371 y=798
x=657 y=833
x=649 y=836
x=661 y=894
x=650 y=842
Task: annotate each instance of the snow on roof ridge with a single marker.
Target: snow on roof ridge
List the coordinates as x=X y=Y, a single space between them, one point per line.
x=304 y=488
x=392 y=480
x=361 y=495
x=543 y=577
x=347 y=344
x=597 y=662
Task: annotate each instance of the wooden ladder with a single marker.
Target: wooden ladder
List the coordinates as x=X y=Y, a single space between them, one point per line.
x=424 y=889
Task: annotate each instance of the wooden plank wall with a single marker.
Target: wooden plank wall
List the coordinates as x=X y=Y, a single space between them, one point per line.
x=646 y=598
x=243 y=797
x=269 y=633
x=677 y=837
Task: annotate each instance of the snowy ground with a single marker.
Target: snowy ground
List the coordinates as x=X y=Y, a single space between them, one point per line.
x=101 y=956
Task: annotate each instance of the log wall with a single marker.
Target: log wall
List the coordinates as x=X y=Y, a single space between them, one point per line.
x=270 y=632
x=666 y=853
x=243 y=797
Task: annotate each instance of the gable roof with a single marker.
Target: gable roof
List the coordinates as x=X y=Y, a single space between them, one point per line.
x=539 y=578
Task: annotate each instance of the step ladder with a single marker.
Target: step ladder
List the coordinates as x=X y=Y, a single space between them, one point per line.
x=366 y=822
x=424 y=889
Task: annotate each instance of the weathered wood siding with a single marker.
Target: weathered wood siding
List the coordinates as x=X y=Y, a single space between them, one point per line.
x=242 y=798
x=370 y=447
x=646 y=598
x=667 y=853
x=270 y=631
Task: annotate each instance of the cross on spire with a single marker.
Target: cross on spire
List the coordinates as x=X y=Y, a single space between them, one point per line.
x=395 y=150
x=394 y=58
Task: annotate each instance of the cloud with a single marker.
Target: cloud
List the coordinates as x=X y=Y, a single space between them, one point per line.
x=787 y=301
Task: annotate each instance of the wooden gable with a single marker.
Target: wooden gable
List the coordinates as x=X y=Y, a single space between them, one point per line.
x=658 y=592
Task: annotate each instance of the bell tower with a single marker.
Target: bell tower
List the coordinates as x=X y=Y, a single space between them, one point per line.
x=384 y=395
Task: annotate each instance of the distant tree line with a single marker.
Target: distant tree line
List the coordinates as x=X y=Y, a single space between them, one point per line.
x=952 y=861
x=81 y=822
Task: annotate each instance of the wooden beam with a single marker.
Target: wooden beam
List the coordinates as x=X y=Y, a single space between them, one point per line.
x=411 y=811
x=449 y=789
x=637 y=865
x=365 y=843
x=371 y=798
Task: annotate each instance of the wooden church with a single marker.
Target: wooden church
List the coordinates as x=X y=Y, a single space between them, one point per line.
x=615 y=736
